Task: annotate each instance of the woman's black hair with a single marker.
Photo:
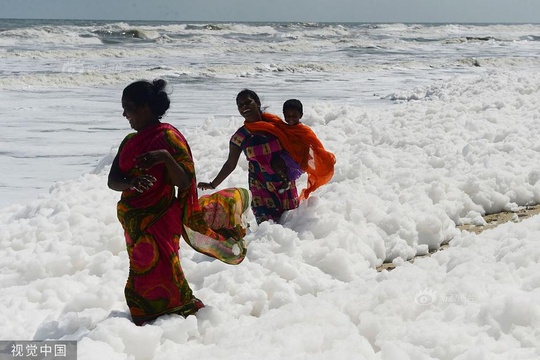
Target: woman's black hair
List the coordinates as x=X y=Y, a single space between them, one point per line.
x=153 y=93
x=252 y=94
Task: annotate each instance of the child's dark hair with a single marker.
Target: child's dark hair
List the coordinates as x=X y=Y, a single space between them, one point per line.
x=152 y=93
x=293 y=104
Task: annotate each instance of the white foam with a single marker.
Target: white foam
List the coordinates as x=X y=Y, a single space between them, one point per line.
x=450 y=146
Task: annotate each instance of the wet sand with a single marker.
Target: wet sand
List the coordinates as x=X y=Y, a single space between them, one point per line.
x=492 y=220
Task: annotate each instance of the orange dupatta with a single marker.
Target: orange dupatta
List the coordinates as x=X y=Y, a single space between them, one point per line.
x=303 y=146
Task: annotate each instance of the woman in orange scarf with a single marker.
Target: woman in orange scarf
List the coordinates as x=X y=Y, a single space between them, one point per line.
x=263 y=138
x=150 y=166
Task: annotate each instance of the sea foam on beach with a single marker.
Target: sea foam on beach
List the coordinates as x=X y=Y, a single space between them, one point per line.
x=443 y=148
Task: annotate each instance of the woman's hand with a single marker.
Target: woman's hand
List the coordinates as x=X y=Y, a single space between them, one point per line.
x=226 y=169
x=176 y=173
x=206 y=186
x=147 y=160
x=142 y=183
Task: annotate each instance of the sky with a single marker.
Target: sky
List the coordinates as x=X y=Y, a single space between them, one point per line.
x=452 y=11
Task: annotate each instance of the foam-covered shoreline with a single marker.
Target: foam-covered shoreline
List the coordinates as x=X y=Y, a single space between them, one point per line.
x=420 y=151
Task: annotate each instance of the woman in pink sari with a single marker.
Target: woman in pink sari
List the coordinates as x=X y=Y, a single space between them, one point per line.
x=155 y=172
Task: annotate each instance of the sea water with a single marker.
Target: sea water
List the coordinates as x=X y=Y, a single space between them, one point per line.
x=61 y=81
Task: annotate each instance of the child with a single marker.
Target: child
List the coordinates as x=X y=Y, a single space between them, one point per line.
x=293 y=111
x=288 y=169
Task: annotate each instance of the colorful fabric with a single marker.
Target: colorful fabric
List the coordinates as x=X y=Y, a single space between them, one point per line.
x=271 y=196
x=153 y=223
x=303 y=146
x=294 y=171
x=219 y=216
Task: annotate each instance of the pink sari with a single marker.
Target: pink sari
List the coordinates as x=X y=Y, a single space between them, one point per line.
x=155 y=220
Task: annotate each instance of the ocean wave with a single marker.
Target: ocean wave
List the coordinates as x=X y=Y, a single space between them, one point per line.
x=48 y=35
x=103 y=53
x=449 y=32
x=128 y=31
x=229 y=28
x=75 y=77
x=205 y=27
x=121 y=32
x=531 y=37
x=78 y=73
x=203 y=45
x=506 y=62
x=127 y=34
x=470 y=39
x=81 y=73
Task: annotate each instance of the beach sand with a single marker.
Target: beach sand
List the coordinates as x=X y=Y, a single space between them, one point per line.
x=492 y=220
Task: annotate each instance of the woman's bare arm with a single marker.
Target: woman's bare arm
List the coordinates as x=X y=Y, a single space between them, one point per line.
x=227 y=168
